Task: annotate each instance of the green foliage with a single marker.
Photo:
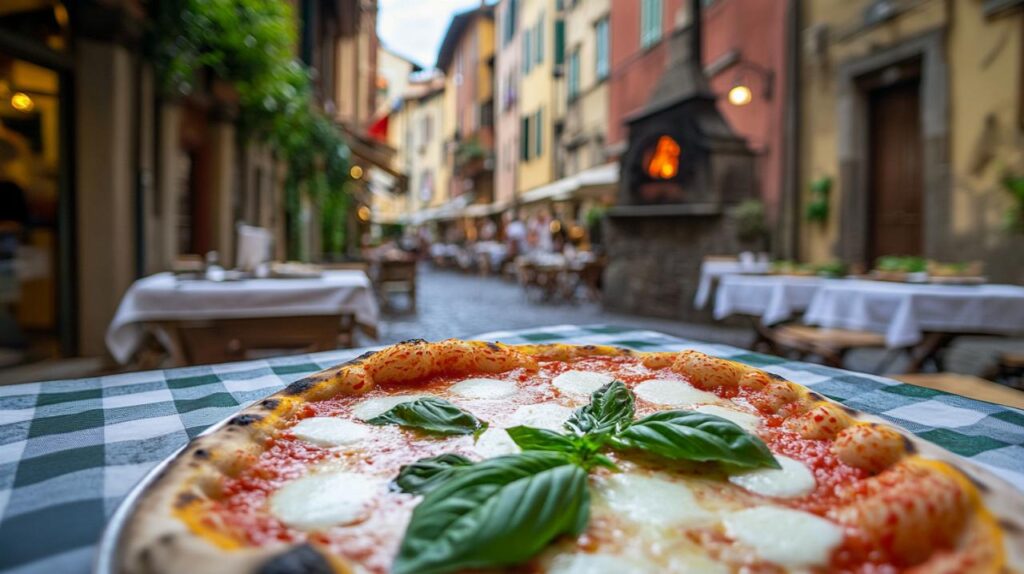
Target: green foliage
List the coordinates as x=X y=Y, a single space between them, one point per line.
x=751 y=224
x=817 y=207
x=1014 y=185
x=250 y=45
x=901 y=264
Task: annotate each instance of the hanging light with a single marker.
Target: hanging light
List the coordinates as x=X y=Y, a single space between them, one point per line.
x=363 y=213
x=740 y=95
x=22 y=102
x=356 y=172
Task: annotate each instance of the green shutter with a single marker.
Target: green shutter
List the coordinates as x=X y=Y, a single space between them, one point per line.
x=526 y=51
x=538 y=130
x=524 y=140
x=539 y=51
x=559 y=42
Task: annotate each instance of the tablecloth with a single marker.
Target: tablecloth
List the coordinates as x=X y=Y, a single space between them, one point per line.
x=712 y=271
x=771 y=298
x=904 y=312
x=71 y=450
x=161 y=297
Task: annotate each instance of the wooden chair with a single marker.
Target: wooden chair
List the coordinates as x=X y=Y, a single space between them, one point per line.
x=395 y=276
x=347 y=266
x=968 y=386
x=1010 y=369
x=225 y=340
x=829 y=344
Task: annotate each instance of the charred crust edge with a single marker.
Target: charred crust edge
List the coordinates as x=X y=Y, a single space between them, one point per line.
x=493 y=346
x=414 y=342
x=270 y=404
x=908 y=445
x=302 y=559
x=245 y=420
x=300 y=386
x=775 y=376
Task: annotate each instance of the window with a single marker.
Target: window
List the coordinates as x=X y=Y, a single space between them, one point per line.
x=650 y=22
x=509 y=28
x=573 y=75
x=559 y=42
x=539 y=40
x=538 y=134
x=601 y=65
x=527 y=61
x=524 y=139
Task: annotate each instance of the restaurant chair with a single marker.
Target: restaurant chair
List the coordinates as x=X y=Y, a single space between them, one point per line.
x=394 y=276
x=347 y=266
x=1010 y=369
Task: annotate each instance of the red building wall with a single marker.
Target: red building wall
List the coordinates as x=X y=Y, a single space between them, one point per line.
x=753 y=29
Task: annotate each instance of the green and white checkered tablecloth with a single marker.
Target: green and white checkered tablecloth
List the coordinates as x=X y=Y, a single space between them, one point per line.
x=71 y=450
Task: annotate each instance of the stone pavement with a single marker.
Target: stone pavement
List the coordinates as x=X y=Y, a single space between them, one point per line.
x=455 y=304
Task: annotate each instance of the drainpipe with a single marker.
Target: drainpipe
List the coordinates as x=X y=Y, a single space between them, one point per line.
x=788 y=230
x=696 y=34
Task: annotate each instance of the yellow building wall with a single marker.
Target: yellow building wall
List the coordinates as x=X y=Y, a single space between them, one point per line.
x=444 y=172
x=485 y=44
x=588 y=115
x=537 y=92
x=984 y=67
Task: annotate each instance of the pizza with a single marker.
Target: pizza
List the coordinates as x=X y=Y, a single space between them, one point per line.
x=469 y=456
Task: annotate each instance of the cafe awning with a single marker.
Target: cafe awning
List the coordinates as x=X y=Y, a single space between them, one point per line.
x=593 y=181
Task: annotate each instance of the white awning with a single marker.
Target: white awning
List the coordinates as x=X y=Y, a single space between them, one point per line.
x=594 y=180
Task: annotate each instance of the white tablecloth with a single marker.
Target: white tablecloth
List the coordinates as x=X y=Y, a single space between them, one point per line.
x=162 y=297
x=771 y=298
x=904 y=312
x=712 y=271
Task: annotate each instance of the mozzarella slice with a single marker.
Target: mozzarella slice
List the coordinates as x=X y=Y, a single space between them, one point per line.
x=495 y=442
x=549 y=416
x=581 y=383
x=673 y=393
x=793 y=480
x=484 y=389
x=789 y=538
x=583 y=563
x=324 y=499
x=371 y=408
x=329 y=431
x=653 y=500
x=747 y=421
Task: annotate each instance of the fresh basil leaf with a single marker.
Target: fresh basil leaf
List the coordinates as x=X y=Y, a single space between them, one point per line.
x=498 y=512
x=425 y=474
x=689 y=435
x=432 y=415
x=530 y=438
x=610 y=410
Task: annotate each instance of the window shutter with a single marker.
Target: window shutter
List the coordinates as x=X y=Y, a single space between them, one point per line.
x=559 y=42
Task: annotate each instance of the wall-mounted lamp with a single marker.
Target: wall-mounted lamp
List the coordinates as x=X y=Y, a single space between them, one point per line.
x=741 y=93
x=22 y=102
x=363 y=213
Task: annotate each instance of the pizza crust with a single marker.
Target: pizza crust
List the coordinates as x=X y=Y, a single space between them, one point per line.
x=165 y=533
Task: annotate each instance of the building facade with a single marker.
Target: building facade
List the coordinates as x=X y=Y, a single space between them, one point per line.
x=587 y=68
x=538 y=96
x=911 y=121
x=508 y=63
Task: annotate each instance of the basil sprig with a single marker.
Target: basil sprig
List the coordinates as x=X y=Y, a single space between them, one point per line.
x=504 y=510
x=498 y=512
x=423 y=475
x=610 y=410
x=432 y=415
x=689 y=435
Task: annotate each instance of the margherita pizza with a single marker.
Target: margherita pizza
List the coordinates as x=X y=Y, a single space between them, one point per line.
x=467 y=456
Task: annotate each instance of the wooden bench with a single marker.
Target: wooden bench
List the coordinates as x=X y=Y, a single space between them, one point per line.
x=225 y=340
x=966 y=385
x=829 y=344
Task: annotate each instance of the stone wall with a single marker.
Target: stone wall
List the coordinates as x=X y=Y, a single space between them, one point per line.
x=654 y=262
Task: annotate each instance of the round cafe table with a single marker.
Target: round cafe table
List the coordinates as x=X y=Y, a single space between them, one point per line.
x=772 y=299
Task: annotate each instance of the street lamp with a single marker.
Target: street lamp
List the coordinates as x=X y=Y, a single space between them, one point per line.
x=741 y=94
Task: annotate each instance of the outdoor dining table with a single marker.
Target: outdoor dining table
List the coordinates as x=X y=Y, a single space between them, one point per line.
x=713 y=270
x=771 y=299
x=71 y=450
x=164 y=297
x=925 y=316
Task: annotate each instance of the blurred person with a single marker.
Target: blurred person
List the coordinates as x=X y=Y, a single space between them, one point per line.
x=516 y=236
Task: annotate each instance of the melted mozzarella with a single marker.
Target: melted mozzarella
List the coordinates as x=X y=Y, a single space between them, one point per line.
x=484 y=389
x=324 y=499
x=329 y=431
x=653 y=500
x=580 y=383
x=790 y=538
x=583 y=563
x=673 y=393
x=495 y=442
x=375 y=407
x=549 y=416
x=793 y=480
x=747 y=421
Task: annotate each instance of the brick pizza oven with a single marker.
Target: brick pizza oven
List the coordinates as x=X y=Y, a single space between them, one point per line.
x=683 y=170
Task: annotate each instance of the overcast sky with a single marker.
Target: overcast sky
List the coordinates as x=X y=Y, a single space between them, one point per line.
x=415 y=28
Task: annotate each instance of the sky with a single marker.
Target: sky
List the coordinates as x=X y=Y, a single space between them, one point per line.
x=415 y=28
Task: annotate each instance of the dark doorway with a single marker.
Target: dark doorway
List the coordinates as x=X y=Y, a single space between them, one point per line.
x=895 y=177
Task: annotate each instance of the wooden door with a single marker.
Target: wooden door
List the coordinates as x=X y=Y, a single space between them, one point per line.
x=895 y=183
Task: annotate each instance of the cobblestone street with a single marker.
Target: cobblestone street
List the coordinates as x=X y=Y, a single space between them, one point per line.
x=455 y=304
